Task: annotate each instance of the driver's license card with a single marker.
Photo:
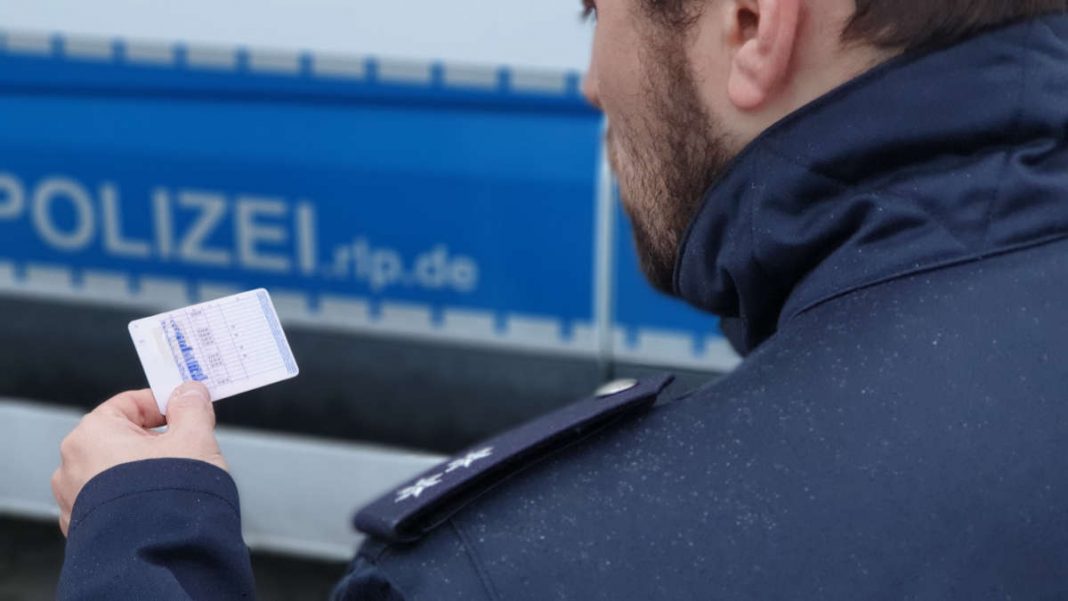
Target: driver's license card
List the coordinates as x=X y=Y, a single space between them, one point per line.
x=231 y=345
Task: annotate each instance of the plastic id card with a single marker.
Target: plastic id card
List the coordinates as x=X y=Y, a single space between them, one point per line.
x=231 y=345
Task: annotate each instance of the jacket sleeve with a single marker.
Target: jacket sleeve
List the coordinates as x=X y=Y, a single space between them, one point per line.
x=159 y=529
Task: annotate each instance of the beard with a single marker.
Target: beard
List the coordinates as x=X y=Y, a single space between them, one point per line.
x=665 y=158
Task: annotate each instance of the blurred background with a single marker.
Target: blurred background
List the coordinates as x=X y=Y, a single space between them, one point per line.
x=421 y=187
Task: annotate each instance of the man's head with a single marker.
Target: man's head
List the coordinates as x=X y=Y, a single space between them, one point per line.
x=686 y=84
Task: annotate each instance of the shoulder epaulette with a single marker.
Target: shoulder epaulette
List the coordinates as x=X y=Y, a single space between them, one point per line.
x=421 y=504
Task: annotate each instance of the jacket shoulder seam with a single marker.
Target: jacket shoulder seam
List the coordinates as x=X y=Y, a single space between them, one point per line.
x=476 y=563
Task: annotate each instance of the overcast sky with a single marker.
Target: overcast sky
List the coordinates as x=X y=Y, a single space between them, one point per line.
x=532 y=33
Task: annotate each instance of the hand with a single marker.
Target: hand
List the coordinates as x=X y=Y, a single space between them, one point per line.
x=118 y=432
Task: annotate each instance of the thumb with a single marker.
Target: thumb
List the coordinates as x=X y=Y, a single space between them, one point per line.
x=189 y=410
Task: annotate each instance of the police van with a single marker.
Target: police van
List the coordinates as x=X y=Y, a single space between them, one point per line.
x=442 y=242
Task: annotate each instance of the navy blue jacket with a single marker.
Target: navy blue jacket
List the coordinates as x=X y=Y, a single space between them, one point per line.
x=893 y=259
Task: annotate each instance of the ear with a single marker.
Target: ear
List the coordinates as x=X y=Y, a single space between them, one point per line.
x=763 y=34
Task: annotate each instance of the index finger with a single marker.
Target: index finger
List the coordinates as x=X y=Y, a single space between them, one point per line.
x=138 y=406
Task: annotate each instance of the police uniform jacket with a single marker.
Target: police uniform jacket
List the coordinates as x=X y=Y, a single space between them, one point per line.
x=892 y=259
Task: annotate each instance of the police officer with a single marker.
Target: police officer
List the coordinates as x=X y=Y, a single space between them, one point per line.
x=874 y=195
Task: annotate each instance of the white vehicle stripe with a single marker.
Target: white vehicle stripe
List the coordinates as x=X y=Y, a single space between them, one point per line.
x=275 y=518
x=92 y=49
x=149 y=53
x=208 y=57
x=29 y=43
x=211 y=57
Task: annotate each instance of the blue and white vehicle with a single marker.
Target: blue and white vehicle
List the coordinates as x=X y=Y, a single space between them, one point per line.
x=441 y=240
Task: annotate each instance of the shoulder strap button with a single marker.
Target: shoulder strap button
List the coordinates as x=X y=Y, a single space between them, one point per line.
x=615 y=387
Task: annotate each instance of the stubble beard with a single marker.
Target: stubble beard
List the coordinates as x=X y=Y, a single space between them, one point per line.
x=665 y=159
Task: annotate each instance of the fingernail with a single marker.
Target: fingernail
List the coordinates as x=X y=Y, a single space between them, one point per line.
x=192 y=390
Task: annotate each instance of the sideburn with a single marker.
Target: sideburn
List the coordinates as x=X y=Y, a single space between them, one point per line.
x=685 y=155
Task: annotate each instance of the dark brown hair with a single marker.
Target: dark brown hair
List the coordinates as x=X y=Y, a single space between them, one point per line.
x=898 y=24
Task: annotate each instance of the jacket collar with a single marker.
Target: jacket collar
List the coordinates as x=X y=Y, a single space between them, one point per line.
x=925 y=161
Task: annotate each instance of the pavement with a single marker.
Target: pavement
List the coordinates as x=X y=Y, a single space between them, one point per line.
x=31 y=555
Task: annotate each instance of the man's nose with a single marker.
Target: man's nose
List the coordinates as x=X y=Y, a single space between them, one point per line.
x=589 y=88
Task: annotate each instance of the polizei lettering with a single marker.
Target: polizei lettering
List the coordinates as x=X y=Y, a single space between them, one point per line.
x=216 y=230
x=195 y=227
